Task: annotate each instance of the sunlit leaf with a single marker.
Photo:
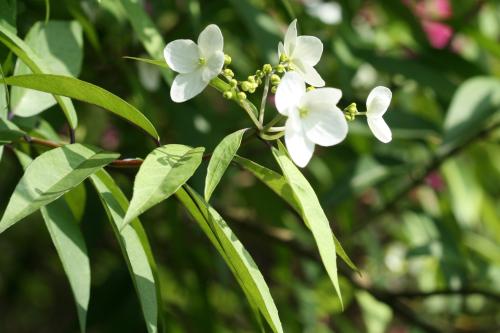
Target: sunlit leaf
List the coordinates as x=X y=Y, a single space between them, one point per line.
x=134 y=245
x=52 y=174
x=230 y=248
x=9 y=131
x=86 y=92
x=62 y=224
x=313 y=214
x=220 y=160
x=36 y=65
x=161 y=174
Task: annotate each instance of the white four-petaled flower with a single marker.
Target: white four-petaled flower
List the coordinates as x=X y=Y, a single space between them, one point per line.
x=313 y=117
x=376 y=105
x=303 y=53
x=196 y=64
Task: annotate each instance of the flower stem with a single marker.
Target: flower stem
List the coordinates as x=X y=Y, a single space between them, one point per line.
x=264 y=99
x=273 y=122
x=276 y=129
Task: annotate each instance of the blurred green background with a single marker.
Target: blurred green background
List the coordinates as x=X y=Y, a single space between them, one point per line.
x=419 y=216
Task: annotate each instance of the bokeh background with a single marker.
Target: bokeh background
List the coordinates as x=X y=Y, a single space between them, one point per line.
x=420 y=216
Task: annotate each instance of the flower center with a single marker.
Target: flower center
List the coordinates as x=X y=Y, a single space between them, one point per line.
x=303 y=112
x=202 y=61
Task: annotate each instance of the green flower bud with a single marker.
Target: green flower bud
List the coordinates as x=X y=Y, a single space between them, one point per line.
x=283 y=57
x=227 y=94
x=275 y=80
x=251 y=78
x=233 y=83
x=291 y=66
x=242 y=95
x=227 y=59
x=351 y=109
x=245 y=85
x=228 y=72
x=251 y=90
x=259 y=74
x=267 y=69
x=273 y=89
x=280 y=68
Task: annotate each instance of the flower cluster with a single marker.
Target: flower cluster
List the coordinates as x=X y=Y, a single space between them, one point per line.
x=311 y=111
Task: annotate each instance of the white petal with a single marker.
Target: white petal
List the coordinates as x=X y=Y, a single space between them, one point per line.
x=210 y=40
x=281 y=49
x=182 y=55
x=380 y=129
x=213 y=66
x=325 y=126
x=320 y=97
x=291 y=38
x=308 y=49
x=309 y=74
x=378 y=101
x=299 y=146
x=289 y=92
x=186 y=86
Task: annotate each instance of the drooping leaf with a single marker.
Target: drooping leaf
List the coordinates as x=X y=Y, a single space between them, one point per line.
x=60 y=45
x=474 y=102
x=52 y=174
x=36 y=65
x=62 y=224
x=233 y=252
x=134 y=245
x=159 y=63
x=220 y=160
x=313 y=214
x=86 y=92
x=147 y=32
x=9 y=131
x=161 y=174
x=279 y=185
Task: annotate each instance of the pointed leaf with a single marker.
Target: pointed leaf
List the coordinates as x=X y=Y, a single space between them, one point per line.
x=86 y=92
x=9 y=131
x=220 y=160
x=52 y=174
x=134 y=245
x=37 y=65
x=161 y=174
x=279 y=185
x=313 y=214
x=236 y=256
x=68 y=240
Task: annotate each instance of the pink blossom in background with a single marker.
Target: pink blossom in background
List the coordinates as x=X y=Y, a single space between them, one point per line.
x=435 y=180
x=431 y=12
x=110 y=139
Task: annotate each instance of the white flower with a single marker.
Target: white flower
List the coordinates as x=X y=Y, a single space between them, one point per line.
x=196 y=64
x=303 y=52
x=376 y=105
x=313 y=117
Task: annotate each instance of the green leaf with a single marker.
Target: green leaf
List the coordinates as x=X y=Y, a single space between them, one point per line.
x=313 y=214
x=50 y=176
x=60 y=45
x=37 y=65
x=68 y=240
x=86 y=92
x=233 y=252
x=220 y=160
x=134 y=245
x=147 y=32
x=159 y=63
x=161 y=174
x=279 y=185
x=9 y=131
x=474 y=102
x=8 y=14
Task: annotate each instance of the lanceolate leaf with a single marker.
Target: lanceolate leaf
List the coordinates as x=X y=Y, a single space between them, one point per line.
x=36 y=65
x=230 y=248
x=50 y=176
x=134 y=245
x=86 y=92
x=60 y=45
x=161 y=174
x=312 y=213
x=220 y=160
x=9 y=131
x=68 y=240
x=279 y=185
